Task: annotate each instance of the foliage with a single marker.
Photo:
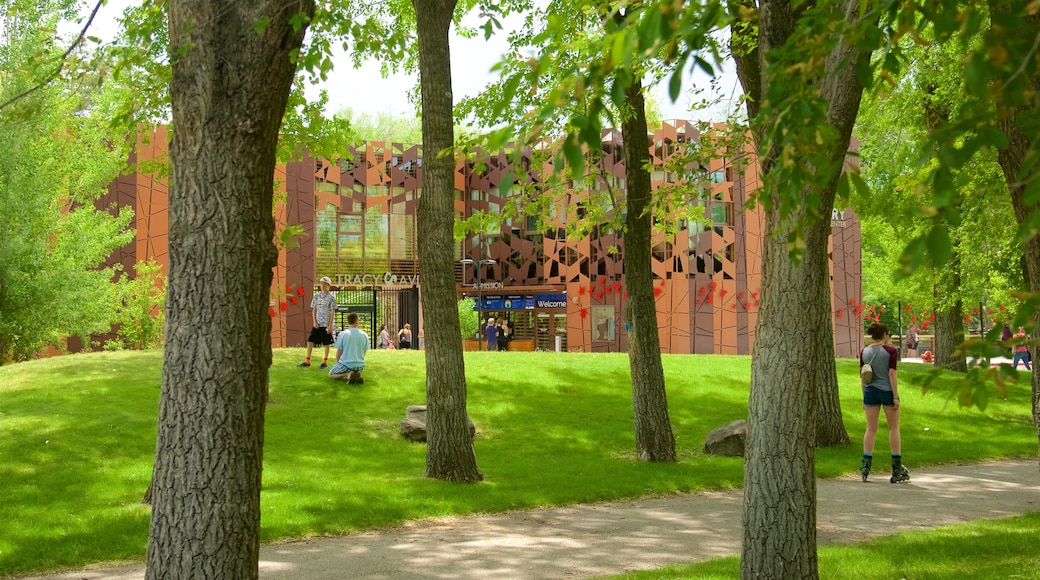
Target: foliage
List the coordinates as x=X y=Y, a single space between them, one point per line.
x=140 y=302
x=468 y=317
x=56 y=161
x=77 y=442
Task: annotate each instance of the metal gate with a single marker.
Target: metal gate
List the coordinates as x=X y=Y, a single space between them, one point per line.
x=378 y=306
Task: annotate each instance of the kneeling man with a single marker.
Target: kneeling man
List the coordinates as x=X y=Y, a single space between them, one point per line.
x=351 y=345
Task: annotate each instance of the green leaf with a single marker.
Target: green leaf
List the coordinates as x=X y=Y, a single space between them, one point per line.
x=260 y=25
x=939 y=247
x=675 y=84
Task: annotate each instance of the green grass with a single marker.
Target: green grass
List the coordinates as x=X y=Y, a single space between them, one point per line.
x=990 y=549
x=77 y=435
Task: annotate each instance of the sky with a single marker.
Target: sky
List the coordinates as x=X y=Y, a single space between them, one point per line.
x=365 y=91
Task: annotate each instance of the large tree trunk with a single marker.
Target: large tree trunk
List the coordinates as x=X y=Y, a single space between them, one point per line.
x=654 y=439
x=229 y=89
x=779 y=518
x=449 y=451
x=949 y=318
x=830 y=425
x=1021 y=177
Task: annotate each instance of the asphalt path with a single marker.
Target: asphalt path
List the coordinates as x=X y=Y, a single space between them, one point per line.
x=586 y=541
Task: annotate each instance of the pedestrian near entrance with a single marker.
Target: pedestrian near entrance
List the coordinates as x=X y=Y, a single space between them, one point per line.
x=422 y=339
x=351 y=345
x=323 y=315
x=882 y=392
x=384 y=337
x=1021 y=351
x=491 y=331
x=404 y=336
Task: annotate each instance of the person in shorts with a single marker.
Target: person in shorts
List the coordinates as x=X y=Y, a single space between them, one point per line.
x=882 y=392
x=323 y=314
x=351 y=345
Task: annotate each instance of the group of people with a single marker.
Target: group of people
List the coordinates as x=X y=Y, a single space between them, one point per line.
x=352 y=343
x=1020 y=352
x=404 y=338
x=498 y=333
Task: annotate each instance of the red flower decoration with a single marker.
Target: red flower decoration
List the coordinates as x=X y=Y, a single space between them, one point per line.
x=699 y=302
x=740 y=296
x=714 y=285
x=599 y=295
x=882 y=309
x=859 y=309
x=908 y=308
x=709 y=298
x=617 y=286
x=734 y=307
x=609 y=289
x=300 y=291
x=976 y=311
x=925 y=326
x=581 y=290
x=852 y=302
x=703 y=290
x=272 y=312
x=657 y=291
x=967 y=318
x=288 y=288
x=1002 y=308
x=602 y=281
x=873 y=307
x=877 y=317
x=584 y=312
x=722 y=294
x=841 y=312
x=913 y=318
x=754 y=295
x=625 y=295
x=293 y=299
x=283 y=306
x=662 y=283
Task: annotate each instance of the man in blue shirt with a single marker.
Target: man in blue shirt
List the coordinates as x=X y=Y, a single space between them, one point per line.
x=492 y=334
x=351 y=345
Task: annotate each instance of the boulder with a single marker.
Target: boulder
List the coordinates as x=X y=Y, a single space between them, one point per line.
x=727 y=440
x=413 y=426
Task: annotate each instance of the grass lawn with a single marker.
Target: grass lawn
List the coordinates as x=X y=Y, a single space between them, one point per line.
x=984 y=550
x=77 y=435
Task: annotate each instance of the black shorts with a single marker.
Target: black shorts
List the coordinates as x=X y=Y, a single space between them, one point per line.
x=320 y=337
x=405 y=344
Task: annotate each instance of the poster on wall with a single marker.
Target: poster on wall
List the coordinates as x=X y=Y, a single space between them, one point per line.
x=603 y=323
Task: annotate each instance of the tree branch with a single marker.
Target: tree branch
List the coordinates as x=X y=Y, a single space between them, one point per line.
x=61 y=62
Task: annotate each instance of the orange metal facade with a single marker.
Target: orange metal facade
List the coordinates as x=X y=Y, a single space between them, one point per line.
x=358 y=215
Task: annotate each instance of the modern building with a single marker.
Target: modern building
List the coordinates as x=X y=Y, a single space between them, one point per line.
x=561 y=290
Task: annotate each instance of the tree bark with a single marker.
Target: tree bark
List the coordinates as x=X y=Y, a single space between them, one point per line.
x=830 y=425
x=654 y=438
x=779 y=518
x=1018 y=175
x=449 y=453
x=229 y=87
x=949 y=318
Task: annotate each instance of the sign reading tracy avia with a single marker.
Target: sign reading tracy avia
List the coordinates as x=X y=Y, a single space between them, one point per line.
x=384 y=279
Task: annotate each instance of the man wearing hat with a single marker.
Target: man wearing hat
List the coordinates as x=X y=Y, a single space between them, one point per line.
x=492 y=334
x=323 y=311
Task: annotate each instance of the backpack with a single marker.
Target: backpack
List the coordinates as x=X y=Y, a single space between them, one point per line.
x=866 y=372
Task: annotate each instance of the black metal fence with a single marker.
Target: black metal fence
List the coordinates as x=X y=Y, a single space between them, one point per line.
x=375 y=307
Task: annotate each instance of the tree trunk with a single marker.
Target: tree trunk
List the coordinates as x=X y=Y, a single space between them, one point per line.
x=1022 y=181
x=949 y=319
x=654 y=439
x=779 y=539
x=449 y=452
x=229 y=87
x=830 y=425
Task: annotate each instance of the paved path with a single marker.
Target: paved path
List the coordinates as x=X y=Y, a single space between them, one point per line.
x=602 y=539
